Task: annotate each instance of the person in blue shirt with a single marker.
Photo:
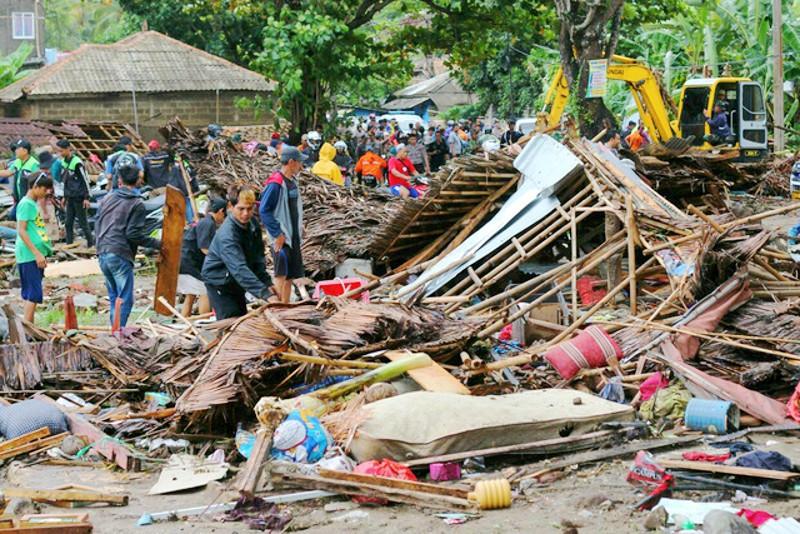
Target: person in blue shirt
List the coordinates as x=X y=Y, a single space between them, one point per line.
x=123 y=156
x=281 y=212
x=720 y=131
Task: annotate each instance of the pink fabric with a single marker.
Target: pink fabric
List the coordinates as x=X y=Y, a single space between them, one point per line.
x=793 y=408
x=697 y=456
x=590 y=349
x=442 y=472
x=755 y=517
x=651 y=385
x=688 y=344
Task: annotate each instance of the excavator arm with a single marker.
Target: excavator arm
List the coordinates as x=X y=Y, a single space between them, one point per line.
x=651 y=100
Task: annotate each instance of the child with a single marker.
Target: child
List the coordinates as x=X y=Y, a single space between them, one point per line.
x=32 y=244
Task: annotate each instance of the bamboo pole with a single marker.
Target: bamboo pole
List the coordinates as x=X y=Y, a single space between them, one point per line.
x=726 y=226
x=527 y=357
x=317 y=360
x=631 y=254
x=497 y=325
x=574 y=271
x=546 y=225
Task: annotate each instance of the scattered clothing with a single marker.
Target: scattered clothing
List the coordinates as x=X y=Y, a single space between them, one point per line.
x=696 y=456
x=771 y=460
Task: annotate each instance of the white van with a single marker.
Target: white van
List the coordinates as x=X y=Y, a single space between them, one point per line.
x=405 y=121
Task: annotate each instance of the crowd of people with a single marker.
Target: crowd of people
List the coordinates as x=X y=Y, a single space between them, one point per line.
x=224 y=256
x=378 y=152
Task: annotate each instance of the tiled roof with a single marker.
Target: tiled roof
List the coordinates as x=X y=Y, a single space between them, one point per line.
x=147 y=62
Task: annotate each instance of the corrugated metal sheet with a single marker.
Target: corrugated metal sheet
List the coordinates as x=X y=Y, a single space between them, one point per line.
x=147 y=62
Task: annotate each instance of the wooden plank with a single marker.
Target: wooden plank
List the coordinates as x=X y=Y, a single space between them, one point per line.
x=726 y=469
x=24 y=438
x=542 y=447
x=43 y=443
x=66 y=495
x=171 y=243
x=101 y=442
x=431 y=378
x=248 y=482
x=73 y=269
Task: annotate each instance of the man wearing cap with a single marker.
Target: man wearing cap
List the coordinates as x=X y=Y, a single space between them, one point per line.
x=281 y=213
x=122 y=157
x=76 y=192
x=511 y=135
x=417 y=153
x=235 y=264
x=21 y=169
x=196 y=241
x=156 y=165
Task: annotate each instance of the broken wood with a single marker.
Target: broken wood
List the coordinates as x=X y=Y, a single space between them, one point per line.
x=34 y=446
x=74 y=495
x=433 y=377
x=170 y=256
x=708 y=467
x=251 y=474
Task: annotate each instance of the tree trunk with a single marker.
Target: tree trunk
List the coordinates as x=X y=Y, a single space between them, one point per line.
x=589 y=30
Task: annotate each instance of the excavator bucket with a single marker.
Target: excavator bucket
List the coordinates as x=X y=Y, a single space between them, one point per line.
x=673 y=147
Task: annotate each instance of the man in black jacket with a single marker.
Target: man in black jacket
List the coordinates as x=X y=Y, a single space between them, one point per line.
x=120 y=231
x=76 y=192
x=235 y=263
x=156 y=165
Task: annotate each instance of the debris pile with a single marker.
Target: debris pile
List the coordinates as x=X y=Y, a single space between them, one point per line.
x=542 y=307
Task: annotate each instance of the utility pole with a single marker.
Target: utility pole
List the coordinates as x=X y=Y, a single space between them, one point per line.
x=779 y=136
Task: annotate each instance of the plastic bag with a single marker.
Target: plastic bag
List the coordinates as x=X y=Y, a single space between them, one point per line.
x=301 y=438
x=382 y=468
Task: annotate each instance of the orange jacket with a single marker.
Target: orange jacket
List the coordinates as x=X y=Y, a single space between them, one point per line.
x=635 y=140
x=371 y=164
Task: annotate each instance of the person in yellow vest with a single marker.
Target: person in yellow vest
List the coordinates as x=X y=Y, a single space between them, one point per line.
x=325 y=167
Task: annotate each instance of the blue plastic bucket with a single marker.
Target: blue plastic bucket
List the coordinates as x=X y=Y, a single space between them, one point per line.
x=712 y=416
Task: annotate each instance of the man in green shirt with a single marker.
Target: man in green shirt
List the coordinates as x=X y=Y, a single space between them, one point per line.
x=32 y=245
x=21 y=168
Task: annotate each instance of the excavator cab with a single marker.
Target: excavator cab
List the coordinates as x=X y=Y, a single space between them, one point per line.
x=743 y=101
x=747 y=115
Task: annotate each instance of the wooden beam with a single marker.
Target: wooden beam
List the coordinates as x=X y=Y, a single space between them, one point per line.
x=431 y=378
x=171 y=243
x=727 y=469
x=79 y=495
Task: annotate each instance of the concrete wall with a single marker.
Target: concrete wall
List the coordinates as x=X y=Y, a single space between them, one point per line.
x=7 y=43
x=195 y=109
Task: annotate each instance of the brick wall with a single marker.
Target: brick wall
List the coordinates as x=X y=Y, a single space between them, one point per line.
x=154 y=110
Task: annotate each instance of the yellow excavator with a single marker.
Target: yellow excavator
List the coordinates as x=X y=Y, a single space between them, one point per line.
x=747 y=115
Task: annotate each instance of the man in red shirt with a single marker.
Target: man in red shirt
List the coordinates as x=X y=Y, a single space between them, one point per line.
x=401 y=170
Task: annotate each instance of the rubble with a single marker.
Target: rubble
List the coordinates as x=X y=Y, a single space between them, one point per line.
x=543 y=309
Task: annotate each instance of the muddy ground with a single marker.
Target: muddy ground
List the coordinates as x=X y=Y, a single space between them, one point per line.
x=595 y=499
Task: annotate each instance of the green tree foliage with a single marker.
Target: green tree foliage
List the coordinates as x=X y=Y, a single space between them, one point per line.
x=11 y=65
x=70 y=23
x=320 y=53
